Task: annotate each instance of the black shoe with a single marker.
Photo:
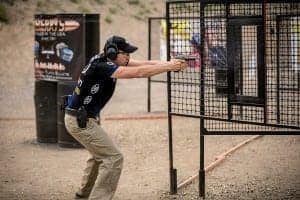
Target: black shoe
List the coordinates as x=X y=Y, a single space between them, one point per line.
x=79 y=196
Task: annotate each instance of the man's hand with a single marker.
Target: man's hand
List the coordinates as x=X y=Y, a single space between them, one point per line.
x=178 y=65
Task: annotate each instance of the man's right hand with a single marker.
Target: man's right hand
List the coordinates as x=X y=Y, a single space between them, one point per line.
x=178 y=65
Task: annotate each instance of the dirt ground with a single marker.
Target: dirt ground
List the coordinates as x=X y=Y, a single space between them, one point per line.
x=267 y=168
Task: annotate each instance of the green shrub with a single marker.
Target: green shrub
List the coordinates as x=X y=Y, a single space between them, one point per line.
x=133 y=2
x=108 y=19
x=82 y=6
x=39 y=4
x=112 y=10
x=147 y=11
x=101 y=2
x=141 y=12
x=10 y=2
x=120 y=7
x=3 y=14
x=83 y=9
x=138 y=17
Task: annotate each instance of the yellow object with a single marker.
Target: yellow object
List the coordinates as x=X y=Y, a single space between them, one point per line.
x=163 y=29
x=77 y=90
x=181 y=28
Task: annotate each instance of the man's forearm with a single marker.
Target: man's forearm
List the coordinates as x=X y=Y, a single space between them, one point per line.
x=154 y=69
x=145 y=70
x=155 y=62
x=135 y=63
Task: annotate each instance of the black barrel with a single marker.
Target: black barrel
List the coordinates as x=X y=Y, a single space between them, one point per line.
x=45 y=111
x=64 y=138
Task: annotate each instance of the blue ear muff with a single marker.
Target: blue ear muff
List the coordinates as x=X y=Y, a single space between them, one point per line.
x=111 y=49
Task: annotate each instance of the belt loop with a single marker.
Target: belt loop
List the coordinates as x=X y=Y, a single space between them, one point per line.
x=98 y=120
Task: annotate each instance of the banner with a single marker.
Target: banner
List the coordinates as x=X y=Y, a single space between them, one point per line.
x=58 y=46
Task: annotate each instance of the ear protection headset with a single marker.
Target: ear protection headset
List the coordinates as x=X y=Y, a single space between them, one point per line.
x=111 y=50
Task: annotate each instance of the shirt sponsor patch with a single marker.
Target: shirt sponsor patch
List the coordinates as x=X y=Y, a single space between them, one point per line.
x=95 y=89
x=87 y=100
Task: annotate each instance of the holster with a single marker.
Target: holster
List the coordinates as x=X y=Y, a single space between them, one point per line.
x=82 y=117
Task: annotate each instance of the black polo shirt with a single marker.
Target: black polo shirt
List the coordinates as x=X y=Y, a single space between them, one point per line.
x=95 y=86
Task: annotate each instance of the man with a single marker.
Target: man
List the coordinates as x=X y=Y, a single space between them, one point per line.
x=94 y=89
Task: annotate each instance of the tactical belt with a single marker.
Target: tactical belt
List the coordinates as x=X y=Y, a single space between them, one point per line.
x=74 y=113
x=71 y=111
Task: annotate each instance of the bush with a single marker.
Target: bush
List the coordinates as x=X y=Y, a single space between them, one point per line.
x=10 y=2
x=83 y=9
x=133 y=2
x=113 y=10
x=3 y=15
x=100 y=2
x=108 y=19
x=39 y=4
x=138 y=17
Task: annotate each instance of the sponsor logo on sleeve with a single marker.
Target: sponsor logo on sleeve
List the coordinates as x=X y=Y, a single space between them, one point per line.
x=87 y=100
x=95 y=89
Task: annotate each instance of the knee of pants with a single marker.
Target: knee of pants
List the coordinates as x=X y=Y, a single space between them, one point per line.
x=116 y=161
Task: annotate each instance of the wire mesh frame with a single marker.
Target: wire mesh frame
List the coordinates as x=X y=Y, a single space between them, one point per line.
x=155 y=51
x=287 y=118
x=239 y=94
x=268 y=122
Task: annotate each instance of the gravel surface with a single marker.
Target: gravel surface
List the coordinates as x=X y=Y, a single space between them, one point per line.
x=265 y=169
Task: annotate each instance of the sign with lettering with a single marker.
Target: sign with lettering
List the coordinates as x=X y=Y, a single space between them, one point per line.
x=59 y=46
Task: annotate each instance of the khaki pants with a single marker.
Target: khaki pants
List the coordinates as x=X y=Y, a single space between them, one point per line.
x=104 y=167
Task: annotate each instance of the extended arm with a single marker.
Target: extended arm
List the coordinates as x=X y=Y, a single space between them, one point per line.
x=133 y=63
x=144 y=71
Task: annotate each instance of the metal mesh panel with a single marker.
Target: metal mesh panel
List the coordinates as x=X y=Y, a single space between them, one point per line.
x=184 y=43
x=288 y=70
x=215 y=61
x=251 y=64
x=282 y=57
x=242 y=41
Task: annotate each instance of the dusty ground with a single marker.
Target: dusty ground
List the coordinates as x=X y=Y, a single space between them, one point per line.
x=265 y=169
